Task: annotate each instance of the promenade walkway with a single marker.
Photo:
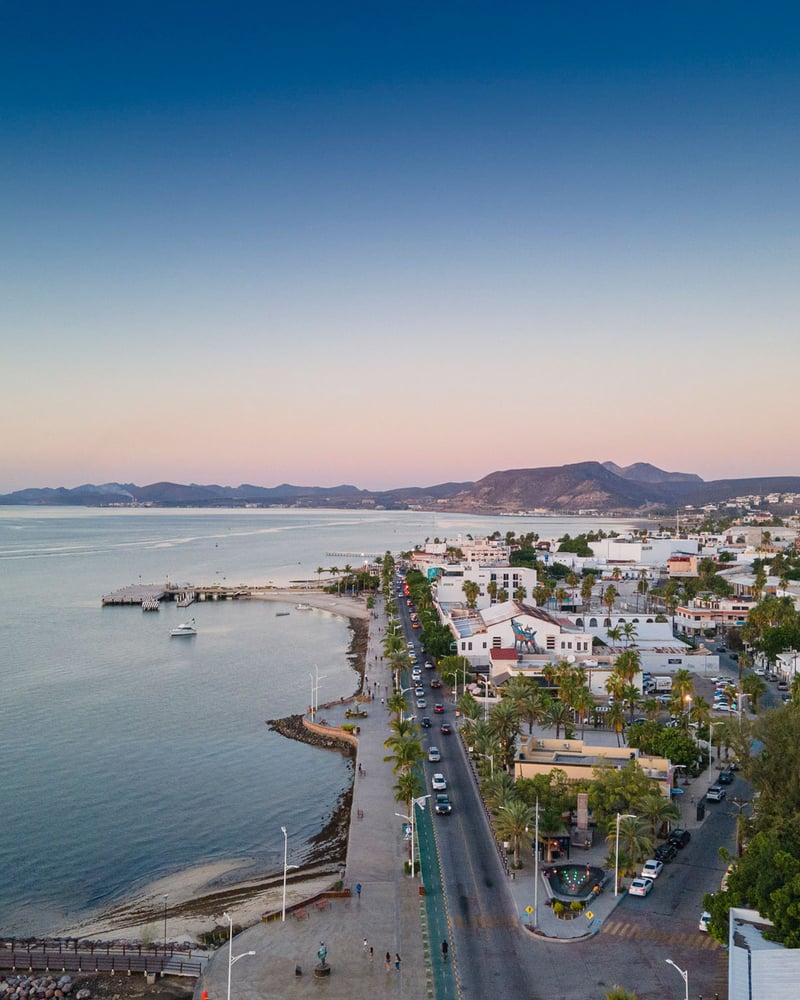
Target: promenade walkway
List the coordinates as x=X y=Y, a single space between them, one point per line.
x=389 y=911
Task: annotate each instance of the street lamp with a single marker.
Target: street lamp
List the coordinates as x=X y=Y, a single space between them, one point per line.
x=232 y=959
x=616 y=851
x=165 y=924
x=285 y=869
x=711 y=726
x=684 y=974
x=490 y=758
x=414 y=802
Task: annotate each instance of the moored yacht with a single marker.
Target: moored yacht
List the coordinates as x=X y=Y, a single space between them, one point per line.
x=187 y=628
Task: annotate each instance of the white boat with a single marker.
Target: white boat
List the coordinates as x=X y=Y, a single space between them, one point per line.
x=302 y=607
x=187 y=628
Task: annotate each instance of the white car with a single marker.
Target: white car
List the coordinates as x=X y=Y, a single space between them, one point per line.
x=438 y=783
x=640 y=886
x=702 y=924
x=434 y=756
x=652 y=868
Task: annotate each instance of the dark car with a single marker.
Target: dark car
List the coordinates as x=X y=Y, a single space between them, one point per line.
x=678 y=837
x=425 y=722
x=435 y=682
x=726 y=777
x=665 y=852
x=443 y=805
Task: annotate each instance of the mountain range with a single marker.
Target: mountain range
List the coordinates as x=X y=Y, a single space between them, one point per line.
x=602 y=486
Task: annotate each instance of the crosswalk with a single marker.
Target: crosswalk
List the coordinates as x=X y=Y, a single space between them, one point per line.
x=628 y=931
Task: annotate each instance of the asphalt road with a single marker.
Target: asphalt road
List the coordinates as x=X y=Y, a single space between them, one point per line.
x=494 y=957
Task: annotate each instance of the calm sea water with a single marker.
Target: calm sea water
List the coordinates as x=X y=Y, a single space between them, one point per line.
x=127 y=755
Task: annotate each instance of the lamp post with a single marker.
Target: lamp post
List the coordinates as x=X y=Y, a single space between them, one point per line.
x=616 y=850
x=232 y=959
x=490 y=758
x=536 y=869
x=711 y=726
x=684 y=974
x=286 y=868
x=414 y=802
x=165 y=924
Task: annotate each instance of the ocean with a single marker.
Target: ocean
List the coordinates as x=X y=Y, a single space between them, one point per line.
x=125 y=755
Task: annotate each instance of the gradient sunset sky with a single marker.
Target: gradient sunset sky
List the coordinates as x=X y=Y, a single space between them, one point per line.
x=397 y=244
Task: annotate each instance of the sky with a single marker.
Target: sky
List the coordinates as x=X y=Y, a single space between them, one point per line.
x=396 y=244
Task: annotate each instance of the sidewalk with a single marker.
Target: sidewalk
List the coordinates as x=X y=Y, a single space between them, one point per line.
x=388 y=912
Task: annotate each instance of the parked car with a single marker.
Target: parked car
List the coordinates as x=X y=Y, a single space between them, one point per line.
x=640 y=886
x=438 y=783
x=705 y=919
x=652 y=868
x=679 y=837
x=434 y=755
x=443 y=806
x=665 y=852
x=716 y=793
x=725 y=777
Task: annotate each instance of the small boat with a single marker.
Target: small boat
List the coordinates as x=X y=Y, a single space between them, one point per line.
x=187 y=628
x=302 y=607
x=281 y=614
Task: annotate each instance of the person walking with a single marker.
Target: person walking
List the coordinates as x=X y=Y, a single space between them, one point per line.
x=397 y=961
x=388 y=961
x=444 y=951
x=366 y=945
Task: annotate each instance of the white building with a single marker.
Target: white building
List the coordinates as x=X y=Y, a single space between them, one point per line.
x=759 y=969
x=449 y=586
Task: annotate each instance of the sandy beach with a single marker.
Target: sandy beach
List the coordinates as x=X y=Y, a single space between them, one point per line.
x=197 y=897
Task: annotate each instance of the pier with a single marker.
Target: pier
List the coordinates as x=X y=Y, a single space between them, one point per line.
x=147 y=595
x=88 y=956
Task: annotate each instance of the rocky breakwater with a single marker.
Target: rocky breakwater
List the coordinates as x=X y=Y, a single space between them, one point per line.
x=40 y=988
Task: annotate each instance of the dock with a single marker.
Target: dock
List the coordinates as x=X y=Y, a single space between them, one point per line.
x=149 y=595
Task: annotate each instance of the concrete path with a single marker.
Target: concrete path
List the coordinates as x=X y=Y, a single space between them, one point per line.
x=389 y=911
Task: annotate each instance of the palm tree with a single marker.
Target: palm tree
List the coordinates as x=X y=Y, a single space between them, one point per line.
x=628 y=664
x=561 y=596
x=471 y=591
x=406 y=752
x=682 y=683
x=635 y=842
x=609 y=596
x=504 y=726
x=527 y=697
x=614 y=634
x=616 y=574
x=498 y=789
x=651 y=708
x=629 y=631
x=700 y=712
x=616 y=720
x=558 y=715
x=512 y=823
x=491 y=590
x=409 y=787
x=587 y=586
x=753 y=686
x=397 y=703
x=502 y=595
x=657 y=811
x=582 y=703
x=520 y=594
x=629 y=695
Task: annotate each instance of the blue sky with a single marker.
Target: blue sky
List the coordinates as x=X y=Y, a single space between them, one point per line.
x=387 y=244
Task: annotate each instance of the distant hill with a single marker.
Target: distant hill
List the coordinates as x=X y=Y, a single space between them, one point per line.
x=603 y=486
x=643 y=472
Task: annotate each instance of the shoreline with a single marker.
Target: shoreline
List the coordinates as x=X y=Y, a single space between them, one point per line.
x=197 y=896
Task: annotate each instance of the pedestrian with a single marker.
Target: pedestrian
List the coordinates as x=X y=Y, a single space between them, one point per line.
x=371 y=953
x=366 y=945
x=397 y=961
x=358 y=889
x=388 y=961
x=444 y=951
